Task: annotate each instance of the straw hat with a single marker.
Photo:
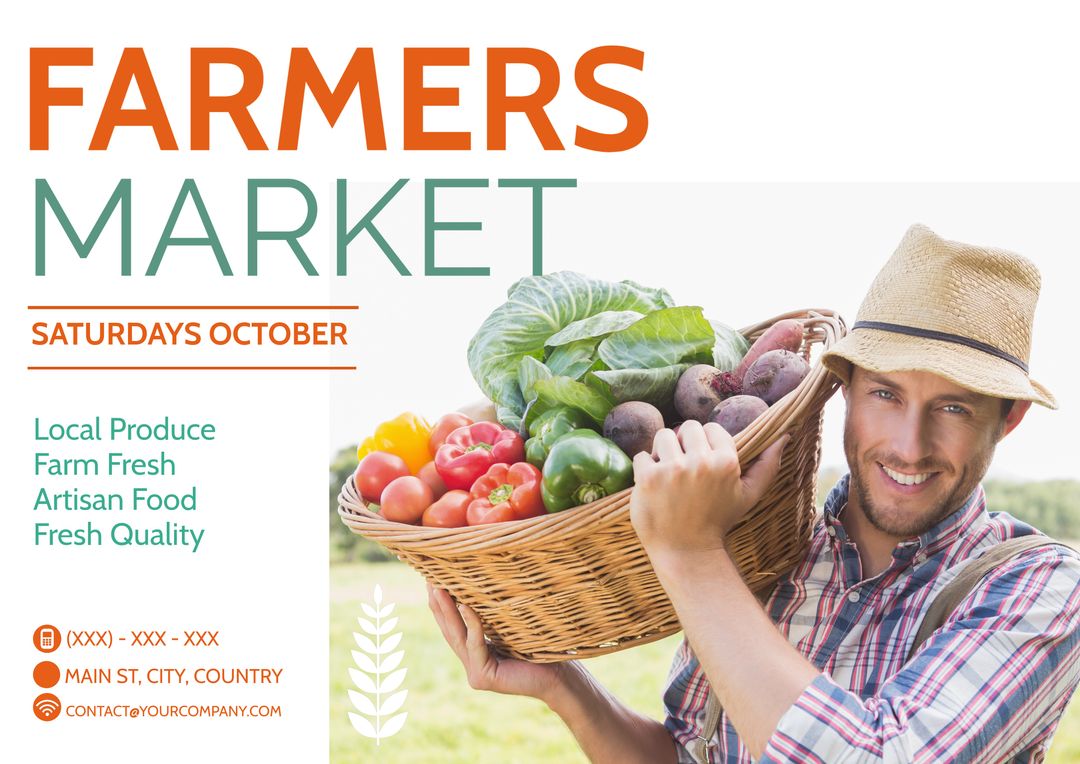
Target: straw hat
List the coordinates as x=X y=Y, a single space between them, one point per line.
x=960 y=311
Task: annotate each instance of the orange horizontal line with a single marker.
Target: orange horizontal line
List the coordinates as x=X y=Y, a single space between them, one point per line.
x=191 y=368
x=192 y=307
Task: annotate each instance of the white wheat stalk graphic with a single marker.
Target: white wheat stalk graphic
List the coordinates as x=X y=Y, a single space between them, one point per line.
x=377 y=673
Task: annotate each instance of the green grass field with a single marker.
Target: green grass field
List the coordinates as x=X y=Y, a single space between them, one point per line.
x=450 y=723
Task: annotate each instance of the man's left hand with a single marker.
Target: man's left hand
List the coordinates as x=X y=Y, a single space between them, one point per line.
x=690 y=491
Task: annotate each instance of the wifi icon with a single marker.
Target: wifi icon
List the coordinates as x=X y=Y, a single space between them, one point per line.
x=46 y=706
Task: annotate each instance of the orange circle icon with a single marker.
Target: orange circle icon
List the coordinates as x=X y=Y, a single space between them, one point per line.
x=46 y=674
x=46 y=706
x=47 y=638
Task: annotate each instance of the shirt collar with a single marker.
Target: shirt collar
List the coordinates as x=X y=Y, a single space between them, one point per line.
x=970 y=514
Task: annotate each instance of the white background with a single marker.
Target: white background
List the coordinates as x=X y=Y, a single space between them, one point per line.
x=736 y=93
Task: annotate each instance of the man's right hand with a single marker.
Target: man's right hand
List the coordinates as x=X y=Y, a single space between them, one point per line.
x=485 y=669
x=606 y=730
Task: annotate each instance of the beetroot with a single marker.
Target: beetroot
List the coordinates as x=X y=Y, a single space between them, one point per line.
x=736 y=413
x=783 y=335
x=696 y=394
x=774 y=375
x=727 y=384
x=633 y=425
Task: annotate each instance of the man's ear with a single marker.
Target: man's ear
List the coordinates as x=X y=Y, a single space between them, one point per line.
x=1016 y=413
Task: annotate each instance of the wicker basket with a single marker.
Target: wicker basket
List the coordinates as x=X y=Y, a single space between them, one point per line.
x=578 y=583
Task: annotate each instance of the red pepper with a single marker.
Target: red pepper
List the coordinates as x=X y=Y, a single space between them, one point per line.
x=470 y=450
x=506 y=492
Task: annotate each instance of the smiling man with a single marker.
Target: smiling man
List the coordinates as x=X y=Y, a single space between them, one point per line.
x=893 y=639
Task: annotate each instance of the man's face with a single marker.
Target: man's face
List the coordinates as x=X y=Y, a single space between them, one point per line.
x=917 y=445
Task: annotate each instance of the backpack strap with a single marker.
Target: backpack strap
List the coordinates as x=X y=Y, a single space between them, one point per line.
x=968 y=578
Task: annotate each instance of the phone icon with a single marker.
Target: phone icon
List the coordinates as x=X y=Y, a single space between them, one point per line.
x=47 y=638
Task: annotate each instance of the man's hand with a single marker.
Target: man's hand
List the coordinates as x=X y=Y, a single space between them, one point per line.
x=485 y=670
x=690 y=491
x=606 y=730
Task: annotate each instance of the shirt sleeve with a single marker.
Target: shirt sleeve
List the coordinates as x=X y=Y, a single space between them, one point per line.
x=992 y=682
x=684 y=702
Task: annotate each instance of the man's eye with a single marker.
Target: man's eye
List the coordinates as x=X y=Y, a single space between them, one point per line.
x=953 y=408
x=885 y=395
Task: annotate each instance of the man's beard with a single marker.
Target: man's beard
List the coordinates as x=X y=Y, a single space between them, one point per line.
x=916 y=525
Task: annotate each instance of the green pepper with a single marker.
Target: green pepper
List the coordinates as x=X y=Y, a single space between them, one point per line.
x=549 y=427
x=583 y=466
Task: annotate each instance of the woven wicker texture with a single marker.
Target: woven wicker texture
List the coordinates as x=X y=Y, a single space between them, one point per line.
x=578 y=583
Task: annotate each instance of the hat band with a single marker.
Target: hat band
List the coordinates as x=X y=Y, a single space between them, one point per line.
x=944 y=337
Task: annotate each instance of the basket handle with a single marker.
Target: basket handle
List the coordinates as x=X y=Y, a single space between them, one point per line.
x=820 y=326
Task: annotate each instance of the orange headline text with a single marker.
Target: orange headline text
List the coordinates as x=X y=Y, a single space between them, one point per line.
x=133 y=75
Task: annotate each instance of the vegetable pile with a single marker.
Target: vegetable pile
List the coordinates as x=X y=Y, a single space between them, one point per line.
x=582 y=373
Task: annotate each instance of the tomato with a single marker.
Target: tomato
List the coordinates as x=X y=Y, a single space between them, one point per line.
x=375 y=472
x=405 y=499
x=430 y=475
x=448 y=511
x=447 y=424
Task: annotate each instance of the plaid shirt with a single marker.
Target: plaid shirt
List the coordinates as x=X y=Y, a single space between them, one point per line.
x=989 y=686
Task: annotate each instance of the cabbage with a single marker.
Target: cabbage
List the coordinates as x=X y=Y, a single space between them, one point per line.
x=567 y=339
x=537 y=308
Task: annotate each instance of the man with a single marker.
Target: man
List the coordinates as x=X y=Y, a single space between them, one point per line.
x=934 y=374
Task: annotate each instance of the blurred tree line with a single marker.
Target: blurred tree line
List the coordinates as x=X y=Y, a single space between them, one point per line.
x=1052 y=506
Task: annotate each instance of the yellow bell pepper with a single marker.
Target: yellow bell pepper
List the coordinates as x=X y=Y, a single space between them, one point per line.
x=406 y=435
